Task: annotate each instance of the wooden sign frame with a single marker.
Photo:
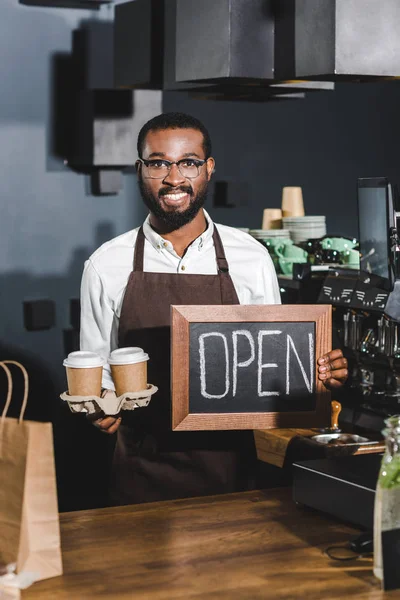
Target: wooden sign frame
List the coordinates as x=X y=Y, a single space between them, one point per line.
x=183 y=316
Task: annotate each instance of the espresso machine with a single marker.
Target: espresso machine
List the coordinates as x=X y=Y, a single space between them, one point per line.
x=366 y=309
x=370 y=339
x=369 y=335
x=366 y=325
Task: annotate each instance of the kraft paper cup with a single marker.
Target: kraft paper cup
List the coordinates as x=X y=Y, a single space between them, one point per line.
x=84 y=373
x=272 y=218
x=292 y=202
x=129 y=370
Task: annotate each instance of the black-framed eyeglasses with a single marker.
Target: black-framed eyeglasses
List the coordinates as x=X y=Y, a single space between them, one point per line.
x=160 y=168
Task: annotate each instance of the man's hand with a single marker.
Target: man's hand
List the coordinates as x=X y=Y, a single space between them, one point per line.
x=332 y=369
x=105 y=424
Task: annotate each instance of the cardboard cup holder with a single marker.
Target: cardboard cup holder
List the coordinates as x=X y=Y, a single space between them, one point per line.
x=110 y=406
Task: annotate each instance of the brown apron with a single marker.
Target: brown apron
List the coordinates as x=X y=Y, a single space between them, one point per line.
x=151 y=462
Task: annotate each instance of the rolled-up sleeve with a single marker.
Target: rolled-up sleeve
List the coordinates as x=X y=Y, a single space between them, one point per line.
x=97 y=317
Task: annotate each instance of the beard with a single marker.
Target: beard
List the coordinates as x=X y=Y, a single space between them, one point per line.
x=174 y=219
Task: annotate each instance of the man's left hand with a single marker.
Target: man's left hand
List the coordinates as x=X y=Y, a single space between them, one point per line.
x=332 y=369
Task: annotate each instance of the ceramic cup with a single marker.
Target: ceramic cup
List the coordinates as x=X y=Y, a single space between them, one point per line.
x=273 y=243
x=291 y=252
x=338 y=243
x=84 y=372
x=351 y=258
x=129 y=369
x=286 y=264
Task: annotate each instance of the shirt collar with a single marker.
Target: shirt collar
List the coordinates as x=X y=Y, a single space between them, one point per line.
x=158 y=242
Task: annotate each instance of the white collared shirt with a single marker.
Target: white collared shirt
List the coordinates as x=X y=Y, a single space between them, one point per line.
x=107 y=271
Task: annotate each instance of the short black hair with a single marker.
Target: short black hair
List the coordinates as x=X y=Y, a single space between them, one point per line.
x=174 y=120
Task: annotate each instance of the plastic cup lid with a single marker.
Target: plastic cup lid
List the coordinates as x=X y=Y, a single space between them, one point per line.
x=83 y=360
x=127 y=356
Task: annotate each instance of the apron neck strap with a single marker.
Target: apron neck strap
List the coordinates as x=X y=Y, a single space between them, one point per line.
x=139 y=251
x=222 y=263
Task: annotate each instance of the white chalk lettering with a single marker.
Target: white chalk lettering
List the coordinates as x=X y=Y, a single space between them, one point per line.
x=262 y=366
x=309 y=382
x=245 y=363
x=203 y=375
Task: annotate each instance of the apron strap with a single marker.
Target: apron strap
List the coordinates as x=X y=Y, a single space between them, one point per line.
x=222 y=263
x=139 y=251
x=228 y=292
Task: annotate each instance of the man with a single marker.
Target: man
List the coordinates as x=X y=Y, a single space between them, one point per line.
x=178 y=256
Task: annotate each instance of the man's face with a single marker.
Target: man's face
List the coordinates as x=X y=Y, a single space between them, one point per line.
x=174 y=200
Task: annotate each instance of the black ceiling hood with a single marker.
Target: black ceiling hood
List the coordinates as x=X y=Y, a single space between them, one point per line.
x=139 y=44
x=188 y=44
x=218 y=40
x=92 y=4
x=230 y=87
x=337 y=39
x=160 y=44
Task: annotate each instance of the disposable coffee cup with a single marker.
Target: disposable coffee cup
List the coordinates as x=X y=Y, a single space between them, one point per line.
x=292 y=202
x=84 y=373
x=129 y=370
x=272 y=218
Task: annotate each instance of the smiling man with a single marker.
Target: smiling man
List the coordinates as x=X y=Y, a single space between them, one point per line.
x=174 y=195
x=178 y=256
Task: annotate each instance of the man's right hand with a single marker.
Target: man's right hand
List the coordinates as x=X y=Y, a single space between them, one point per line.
x=105 y=424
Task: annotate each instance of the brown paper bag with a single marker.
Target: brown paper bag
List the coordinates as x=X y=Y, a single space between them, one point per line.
x=29 y=524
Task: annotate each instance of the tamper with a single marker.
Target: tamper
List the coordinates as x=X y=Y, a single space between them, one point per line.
x=336 y=407
x=334 y=435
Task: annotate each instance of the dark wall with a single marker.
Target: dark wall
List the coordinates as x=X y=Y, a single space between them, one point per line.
x=50 y=223
x=322 y=143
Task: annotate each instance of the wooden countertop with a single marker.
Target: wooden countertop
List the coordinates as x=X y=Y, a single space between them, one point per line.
x=273 y=445
x=239 y=546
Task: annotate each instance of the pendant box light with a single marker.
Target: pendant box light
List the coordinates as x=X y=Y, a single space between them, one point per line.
x=337 y=39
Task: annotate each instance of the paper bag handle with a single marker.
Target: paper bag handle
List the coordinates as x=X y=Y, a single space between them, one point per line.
x=10 y=389
x=9 y=392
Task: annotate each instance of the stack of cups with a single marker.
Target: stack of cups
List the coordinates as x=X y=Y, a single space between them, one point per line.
x=84 y=373
x=292 y=202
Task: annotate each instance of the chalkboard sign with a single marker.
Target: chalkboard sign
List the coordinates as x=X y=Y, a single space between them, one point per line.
x=249 y=367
